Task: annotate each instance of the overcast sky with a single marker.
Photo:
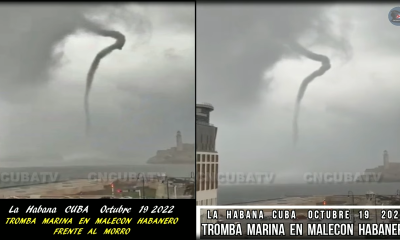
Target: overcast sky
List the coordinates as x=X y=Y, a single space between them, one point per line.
x=141 y=95
x=348 y=117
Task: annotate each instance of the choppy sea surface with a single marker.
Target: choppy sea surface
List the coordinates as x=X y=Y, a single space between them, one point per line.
x=11 y=176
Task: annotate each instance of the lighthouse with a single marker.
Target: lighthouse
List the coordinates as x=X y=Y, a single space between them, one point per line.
x=179 y=146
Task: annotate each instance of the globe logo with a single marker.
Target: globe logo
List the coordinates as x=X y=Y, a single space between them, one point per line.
x=394 y=16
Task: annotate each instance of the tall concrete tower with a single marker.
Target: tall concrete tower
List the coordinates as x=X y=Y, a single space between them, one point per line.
x=207 y=159
x=179 y=145
x=206 y=133
x=385 y=159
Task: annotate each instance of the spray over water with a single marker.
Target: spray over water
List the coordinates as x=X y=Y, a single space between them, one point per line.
x=119 y=43
x=303 y=87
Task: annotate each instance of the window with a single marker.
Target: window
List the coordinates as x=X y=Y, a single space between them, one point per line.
x=198 y=157
x=212 y=158
x=208 y=157
x=216 y=176
x=212 y=176
x=203 y=157
x=203 y=174
x=208 y=180
x=206 y=202
x=198 y=177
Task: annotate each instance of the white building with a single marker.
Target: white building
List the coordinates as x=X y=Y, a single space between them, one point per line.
x=206 y=158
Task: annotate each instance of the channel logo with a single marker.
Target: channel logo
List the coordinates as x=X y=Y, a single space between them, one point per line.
x=394 y=16
x=342 y=177
x=238 y=178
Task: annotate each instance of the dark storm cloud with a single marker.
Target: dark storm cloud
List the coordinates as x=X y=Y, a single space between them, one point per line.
x=137 y=111
x=236 y=44
x=30 y=34
x=180 y=18
x=349 y=117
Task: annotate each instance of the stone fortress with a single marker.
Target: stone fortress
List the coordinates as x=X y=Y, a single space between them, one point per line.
x=183 y=153
x=390 y=171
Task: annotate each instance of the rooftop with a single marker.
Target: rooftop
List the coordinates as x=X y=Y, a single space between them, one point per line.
x=205 y=105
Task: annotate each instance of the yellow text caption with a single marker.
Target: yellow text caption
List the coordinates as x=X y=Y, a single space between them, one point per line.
x=21 y=221
x=117 y=231
x=57 y=221
x=84 y=220
x=113 y=221
x=68 y=231
x=158 y=220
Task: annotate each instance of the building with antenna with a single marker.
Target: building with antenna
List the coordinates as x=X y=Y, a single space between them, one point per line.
x=206 y=158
